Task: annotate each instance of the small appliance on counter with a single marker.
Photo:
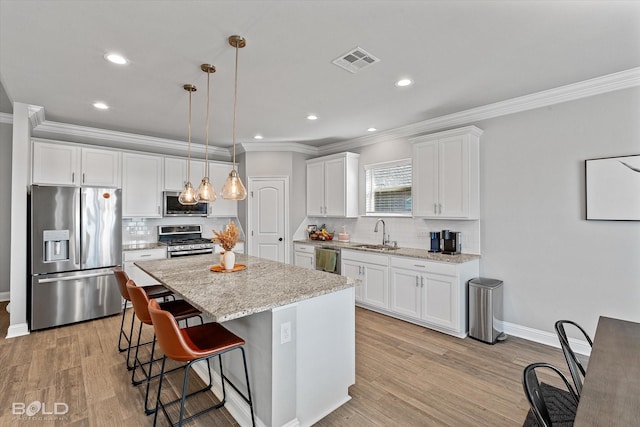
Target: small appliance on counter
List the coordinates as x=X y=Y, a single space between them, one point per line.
x=435 y=241
x=451 y=242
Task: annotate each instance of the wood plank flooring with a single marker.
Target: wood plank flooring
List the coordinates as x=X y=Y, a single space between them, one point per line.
x=406 y=375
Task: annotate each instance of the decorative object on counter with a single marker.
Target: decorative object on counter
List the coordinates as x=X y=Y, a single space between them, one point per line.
x=221 y=269
x=227 y=239
x=233 y=188
x=321 y=234
x=344 y=236
x=206 y=192
x=188 y=194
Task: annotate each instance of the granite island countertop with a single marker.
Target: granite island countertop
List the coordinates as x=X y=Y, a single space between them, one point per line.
x=406 y=252
x=262 y=286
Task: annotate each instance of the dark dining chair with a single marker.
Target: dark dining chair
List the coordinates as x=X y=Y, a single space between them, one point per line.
x=577 y=367
x=550 y=406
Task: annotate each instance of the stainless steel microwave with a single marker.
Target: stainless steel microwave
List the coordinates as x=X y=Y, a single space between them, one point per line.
x=172 y=207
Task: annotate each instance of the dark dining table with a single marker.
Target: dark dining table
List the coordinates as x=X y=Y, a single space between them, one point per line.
x=611 y=391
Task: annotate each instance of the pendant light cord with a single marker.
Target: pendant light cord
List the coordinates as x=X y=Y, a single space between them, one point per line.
x=235 y=106
x=206 y=150
x=189 y=143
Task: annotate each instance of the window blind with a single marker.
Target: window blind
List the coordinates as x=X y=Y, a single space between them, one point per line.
x=388 y=187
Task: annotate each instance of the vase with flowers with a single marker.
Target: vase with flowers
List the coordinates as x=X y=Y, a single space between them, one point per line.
x=227 y=238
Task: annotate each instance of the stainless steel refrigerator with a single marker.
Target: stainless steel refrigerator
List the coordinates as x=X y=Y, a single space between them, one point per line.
x=75 y=241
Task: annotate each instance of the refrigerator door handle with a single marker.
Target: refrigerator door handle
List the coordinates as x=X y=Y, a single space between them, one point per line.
x=74 y=277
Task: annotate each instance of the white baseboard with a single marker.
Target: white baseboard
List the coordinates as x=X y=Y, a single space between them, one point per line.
x=4 y=296
x=543 y=337
x=18 y=330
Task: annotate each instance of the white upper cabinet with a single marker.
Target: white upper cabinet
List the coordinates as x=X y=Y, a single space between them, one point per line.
x=218 y=173
x=446 y=174
x=332 y=185
x=175 y=173
x=65 y=164
x=141 y=185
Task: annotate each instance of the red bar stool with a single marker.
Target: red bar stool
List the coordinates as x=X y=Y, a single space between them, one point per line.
x=178 y=309
x=191 y=345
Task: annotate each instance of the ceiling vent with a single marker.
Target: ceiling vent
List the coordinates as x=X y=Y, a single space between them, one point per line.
x=355 y=60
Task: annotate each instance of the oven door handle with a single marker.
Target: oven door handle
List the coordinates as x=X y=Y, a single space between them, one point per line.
x=190 y=252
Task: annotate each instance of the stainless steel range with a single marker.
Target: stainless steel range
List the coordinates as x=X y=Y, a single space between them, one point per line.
x=183 y=240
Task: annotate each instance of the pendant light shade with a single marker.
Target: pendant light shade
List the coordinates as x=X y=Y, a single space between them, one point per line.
x=206 y=193
x=233 y=188
x=188 y=194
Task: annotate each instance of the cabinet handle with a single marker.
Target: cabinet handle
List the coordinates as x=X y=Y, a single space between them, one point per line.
x=145 y=255
x=435 y=208
x=83 y=177
x=158 y=208
x=73 y=177
x=439 y=208
x=417 y=282
x=418 y=265
x=422 y=281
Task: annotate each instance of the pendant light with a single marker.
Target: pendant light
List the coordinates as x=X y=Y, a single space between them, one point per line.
x=206 y=193
x=233 y=188
x=188 y=194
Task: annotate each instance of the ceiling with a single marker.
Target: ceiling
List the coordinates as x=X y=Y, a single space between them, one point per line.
x=460 y=55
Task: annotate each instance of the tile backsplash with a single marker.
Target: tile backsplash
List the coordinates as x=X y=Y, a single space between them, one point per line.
x=408 y=232
x=145 y=230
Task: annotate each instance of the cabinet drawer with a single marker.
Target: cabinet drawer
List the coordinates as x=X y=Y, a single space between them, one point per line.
x=308 y=249
x=144 y=254
x=363 y=256
x=424 y=266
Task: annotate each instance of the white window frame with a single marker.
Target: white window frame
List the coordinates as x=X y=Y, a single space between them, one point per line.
x=385 y=165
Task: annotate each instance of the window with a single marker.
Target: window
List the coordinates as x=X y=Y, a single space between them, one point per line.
x=389 y=188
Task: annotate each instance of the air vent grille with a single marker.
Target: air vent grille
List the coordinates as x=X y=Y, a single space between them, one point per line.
x=355 y=60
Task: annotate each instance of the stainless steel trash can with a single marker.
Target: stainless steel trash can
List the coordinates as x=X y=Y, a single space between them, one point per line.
x=485 y=310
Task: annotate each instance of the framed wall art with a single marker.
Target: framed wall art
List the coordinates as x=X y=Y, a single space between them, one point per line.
x=613 y=188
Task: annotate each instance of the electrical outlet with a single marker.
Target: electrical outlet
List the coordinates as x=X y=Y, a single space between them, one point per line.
x=285 y=332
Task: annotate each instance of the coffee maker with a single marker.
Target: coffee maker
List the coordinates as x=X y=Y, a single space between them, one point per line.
x=451 y=242
x=435 y=241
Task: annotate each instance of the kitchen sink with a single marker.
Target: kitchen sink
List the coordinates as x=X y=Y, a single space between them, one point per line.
x=380 y=248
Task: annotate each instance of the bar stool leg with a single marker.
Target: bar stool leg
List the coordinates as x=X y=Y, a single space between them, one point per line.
x=122 y=333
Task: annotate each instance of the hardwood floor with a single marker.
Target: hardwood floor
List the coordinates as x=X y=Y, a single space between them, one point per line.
x=406 y=375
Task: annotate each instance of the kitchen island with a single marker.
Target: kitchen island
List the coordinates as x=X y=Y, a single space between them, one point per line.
x=299 y=326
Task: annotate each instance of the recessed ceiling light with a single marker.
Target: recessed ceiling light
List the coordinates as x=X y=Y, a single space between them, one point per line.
x=115 y=58
x=372 y=130
x=404 y=82
x=257 y=137
x=101 y=106
x=312 y=117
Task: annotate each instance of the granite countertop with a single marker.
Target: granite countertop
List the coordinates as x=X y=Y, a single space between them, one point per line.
x=142 y=245
x=406 y=252
x=262 y=286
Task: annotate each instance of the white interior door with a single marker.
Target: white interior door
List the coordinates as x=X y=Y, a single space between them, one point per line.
x=268 y=218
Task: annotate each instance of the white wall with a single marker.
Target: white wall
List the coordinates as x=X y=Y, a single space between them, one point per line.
x=554 y=263
x=6 y=131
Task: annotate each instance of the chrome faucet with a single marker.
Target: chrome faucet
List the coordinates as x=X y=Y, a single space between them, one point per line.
x=384 y=231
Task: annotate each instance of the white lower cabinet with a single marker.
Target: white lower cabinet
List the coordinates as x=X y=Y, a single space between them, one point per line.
x=430 y=293
x=136 y=274
x=304 y=256
x=373 y=272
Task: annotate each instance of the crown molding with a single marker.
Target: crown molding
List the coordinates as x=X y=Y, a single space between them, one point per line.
x=129 y=140
x=596 y=86
x=295 y=147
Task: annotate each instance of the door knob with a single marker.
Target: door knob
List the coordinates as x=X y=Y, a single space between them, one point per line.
x=280 y=239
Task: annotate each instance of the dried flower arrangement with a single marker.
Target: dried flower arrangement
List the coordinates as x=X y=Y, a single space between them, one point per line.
x=227 y=238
